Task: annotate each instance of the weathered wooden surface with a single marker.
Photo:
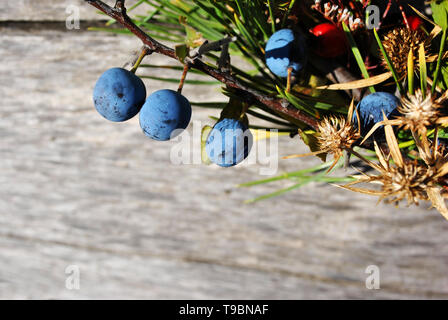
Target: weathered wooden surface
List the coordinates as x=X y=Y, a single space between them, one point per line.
x=78 y=190
x=50 y=10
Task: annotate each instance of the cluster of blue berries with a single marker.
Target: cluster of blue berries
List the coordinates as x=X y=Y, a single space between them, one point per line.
x=287 y=50
x=119 y=95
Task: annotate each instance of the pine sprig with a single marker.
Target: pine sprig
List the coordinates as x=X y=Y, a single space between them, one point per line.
x=250 y=94
x=303 y=105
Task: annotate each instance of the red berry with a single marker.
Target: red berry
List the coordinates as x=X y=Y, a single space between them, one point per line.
x=414 y=22
x=331 y=41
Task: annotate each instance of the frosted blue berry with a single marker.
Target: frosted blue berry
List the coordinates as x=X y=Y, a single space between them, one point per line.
x=283 y=50
x=118 y=94
x=163 y=112
x=371 y=108
x=229 y=142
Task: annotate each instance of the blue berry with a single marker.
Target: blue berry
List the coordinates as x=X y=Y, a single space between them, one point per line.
x=371 y=109
x=163 y=112
x=229 y=142
x=119 y=94
x=283 y=50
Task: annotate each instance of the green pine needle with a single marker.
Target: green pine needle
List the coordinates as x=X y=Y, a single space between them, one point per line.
x=389 y=63
x=439 y=62
x=357 y=55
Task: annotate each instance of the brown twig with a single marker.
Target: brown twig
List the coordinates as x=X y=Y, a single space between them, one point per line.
x=281 y=106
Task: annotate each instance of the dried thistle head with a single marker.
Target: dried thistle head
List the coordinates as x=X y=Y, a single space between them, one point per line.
x=334 y=136
x=400 y=179
x=433 y=154
x=398 y=43
x=409 y=182
x=418 y=112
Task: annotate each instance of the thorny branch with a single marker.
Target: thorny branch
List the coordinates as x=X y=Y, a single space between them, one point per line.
x=281 y=106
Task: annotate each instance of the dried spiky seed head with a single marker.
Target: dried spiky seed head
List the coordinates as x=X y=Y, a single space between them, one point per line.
x=336 y=134
x=418 y=112
x=407 y=182
x=398 y=43
x=413 y=180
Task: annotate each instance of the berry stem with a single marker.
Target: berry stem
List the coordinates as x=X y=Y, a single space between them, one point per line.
x=145 y=51
x=281 y=106
x=182 y=79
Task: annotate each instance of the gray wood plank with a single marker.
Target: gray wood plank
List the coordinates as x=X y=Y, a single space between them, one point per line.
x=53 y=10
x=78 y=190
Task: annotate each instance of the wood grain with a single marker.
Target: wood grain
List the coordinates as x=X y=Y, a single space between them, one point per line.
x=78 y=190
x=51 y=10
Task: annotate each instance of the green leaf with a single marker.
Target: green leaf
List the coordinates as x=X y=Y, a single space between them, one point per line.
x=440 y=12
x=181 y=51
x=194 y=38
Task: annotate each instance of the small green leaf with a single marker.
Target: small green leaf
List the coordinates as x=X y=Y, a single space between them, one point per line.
x=181 y=51
x=194 y=38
